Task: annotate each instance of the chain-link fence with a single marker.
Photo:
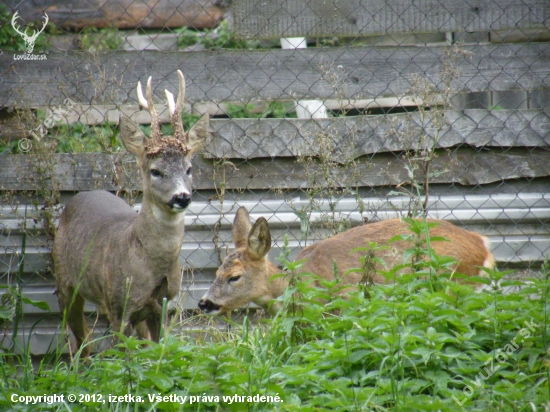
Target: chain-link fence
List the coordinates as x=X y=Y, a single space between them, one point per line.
x=324 y=116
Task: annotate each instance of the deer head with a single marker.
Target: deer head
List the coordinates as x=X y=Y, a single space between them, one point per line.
x=29 y=40
x=245 y=274
x=165 y=161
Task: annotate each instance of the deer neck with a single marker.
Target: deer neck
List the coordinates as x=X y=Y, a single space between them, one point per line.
x=275 y=287
x=159 y=232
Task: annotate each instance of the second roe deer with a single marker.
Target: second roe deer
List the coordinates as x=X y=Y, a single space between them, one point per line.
x=125 y=262
x=245 y=274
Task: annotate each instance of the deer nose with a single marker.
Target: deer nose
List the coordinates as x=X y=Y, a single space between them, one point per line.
x=208 y=306
x=180 y=201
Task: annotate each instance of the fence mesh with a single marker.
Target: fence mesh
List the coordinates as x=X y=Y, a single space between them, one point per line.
x=324 y=117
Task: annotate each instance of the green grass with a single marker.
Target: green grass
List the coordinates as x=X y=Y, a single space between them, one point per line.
x=421 y=343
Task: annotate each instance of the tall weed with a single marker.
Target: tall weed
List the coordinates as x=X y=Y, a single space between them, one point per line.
x=421 y=342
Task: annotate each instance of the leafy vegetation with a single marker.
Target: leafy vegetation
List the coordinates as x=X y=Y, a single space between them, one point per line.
x=76 y=138
x=221 y=37
x=103 y=138
x=422 y=342
x=80 y=138
x=100 y=40
x=272 y=110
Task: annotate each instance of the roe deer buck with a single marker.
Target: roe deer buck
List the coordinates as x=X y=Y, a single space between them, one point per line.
x=126 y=262
x=245 y=274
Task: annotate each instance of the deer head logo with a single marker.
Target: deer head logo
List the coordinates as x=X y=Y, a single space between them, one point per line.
x=29 y=40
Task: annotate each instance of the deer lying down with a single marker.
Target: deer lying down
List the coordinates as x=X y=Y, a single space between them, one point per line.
x=106 y=253
x=245 y=274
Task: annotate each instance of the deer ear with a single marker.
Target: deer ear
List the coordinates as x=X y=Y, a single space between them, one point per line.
x=132 y=137
x=259 y=239
x=197 y=136
x=241 y=228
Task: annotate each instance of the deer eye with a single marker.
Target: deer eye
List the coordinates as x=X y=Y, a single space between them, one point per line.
x=188 y=171
x=155 y=173
x=234 y=279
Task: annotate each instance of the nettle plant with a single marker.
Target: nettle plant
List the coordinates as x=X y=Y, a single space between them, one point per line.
x=420 y=340
x=420 y=343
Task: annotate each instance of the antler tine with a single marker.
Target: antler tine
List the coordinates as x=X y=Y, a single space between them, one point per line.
x=141 y=98
x=170 y=101
x=177 y=108
x=155 y=121
x=181 y=94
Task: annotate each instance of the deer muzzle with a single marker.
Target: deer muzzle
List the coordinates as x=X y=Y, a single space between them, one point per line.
x=208 y=306
x=180 y=202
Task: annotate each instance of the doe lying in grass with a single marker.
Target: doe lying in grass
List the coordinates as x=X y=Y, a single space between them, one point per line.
x=245 y=274
x=126 y=262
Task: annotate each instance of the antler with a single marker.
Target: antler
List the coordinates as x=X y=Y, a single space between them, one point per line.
x=176 y=108
x=150 y=106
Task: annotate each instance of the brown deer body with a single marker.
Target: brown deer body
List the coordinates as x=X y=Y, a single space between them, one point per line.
x=106 y=253
x=245 y=274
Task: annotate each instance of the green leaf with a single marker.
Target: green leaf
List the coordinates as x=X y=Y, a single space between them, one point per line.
x=37 y=304
x=7 y=312
x=426 y=353
x=439 y=239
x=162 y=381
x=480 y=279
x=359 y=355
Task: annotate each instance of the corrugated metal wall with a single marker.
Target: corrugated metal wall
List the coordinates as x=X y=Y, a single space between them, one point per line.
x=516 y=225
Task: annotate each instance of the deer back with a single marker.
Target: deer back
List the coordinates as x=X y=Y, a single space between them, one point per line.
x=470 y=249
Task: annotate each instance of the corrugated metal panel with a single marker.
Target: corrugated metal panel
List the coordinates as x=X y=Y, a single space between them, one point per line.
x=518 y=226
